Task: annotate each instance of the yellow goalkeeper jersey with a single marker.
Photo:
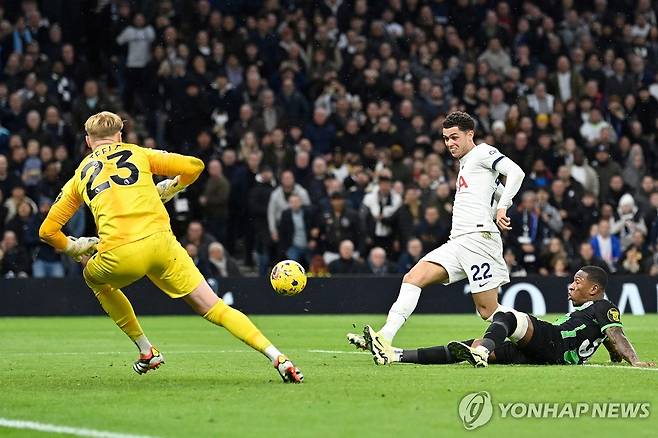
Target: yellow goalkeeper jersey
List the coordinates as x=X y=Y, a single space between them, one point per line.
x=116 y=183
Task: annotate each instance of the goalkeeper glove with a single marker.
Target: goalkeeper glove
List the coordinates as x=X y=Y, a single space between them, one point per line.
x=168 y=188
x=81 y=246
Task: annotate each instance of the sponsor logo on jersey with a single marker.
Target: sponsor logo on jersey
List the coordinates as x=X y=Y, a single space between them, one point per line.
x=613 y=315
x=461 y=183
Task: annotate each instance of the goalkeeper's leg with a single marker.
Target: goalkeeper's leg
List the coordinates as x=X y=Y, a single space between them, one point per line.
x=204 y=302
x=117 y=306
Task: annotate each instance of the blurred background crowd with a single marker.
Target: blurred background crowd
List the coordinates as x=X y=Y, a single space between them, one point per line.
x=320 y=124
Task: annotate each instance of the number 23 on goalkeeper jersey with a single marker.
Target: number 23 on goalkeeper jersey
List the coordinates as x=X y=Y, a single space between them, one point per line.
x=116 y=182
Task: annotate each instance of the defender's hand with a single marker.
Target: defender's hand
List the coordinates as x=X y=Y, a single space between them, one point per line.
x=81 y=246
x=502 y=220
x=640 y=364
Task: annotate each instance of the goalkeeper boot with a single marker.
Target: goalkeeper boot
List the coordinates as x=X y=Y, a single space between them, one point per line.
x=287 y=370
x=383 y=352
x=358 y=341
x=150 y=361
x=476 y=356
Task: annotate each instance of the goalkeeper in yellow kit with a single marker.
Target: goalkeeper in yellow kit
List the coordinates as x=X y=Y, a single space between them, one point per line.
x=116 y=183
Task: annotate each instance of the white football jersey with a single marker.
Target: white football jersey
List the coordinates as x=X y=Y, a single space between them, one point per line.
x=475 y=204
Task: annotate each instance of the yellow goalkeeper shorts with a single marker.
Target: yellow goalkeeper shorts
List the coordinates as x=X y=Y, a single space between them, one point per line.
x=159 y=256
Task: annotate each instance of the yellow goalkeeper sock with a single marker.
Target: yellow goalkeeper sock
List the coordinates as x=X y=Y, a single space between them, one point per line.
x=239 y=325
x=117 y=306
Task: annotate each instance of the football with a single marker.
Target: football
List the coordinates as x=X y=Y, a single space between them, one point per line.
x=288 y=278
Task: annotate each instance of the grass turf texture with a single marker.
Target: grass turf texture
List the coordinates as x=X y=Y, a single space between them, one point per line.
x=77 y=372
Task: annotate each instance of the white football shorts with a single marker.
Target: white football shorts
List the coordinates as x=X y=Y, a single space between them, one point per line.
x=476 y=256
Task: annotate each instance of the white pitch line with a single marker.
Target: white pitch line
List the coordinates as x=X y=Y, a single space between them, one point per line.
x=87 y=353
x=619 y=367
x=54 y=428
x=336 y=352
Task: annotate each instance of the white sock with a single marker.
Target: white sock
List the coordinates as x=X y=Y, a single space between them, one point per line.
x=500 y=308
x=143 y=344
x=401 y=310
x=272 y=353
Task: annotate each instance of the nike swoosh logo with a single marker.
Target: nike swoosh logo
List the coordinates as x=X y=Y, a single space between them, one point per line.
x=480 y=285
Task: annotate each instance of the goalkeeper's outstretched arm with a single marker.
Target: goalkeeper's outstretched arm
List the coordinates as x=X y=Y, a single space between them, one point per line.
x=187 y=168
x=183 y=168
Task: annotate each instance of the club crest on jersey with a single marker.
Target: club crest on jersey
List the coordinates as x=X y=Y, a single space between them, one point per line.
x=613 y=315
x=461 y=183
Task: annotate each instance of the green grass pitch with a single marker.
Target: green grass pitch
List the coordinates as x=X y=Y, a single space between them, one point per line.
x=77 y=372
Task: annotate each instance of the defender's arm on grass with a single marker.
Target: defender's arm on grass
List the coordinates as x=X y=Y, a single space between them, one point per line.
x=184 y=170
x=620 y=347
x=65 y=206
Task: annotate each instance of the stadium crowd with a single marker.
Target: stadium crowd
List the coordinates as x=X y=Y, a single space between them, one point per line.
x=320 y=124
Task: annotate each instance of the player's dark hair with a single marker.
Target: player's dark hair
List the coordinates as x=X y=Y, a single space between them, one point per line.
x=461 y=120
x=596 y=275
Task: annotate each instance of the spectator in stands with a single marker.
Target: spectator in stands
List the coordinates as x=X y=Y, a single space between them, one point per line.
x=294 y=102
x=586 y=256
x=629 y=221
x=565 y=83
x=278 y=201
x=495 y=56
x=347 y=263
x=138 y=37
x=635 y=168
x=220 y=264
x=47 y=261
x=530 y=229
x=616 y=190
x=636 y=259
x=379 y=206
x=583 y=173
x=14 y=259
x=298 y=231
x=409 y=215
x=412 y=255
x=89 y=102
x=619 y=83
x=549 y=214
x=22 y=224
x=214 y=200
x=197 y=236
x=321 y=132
x=258 y=198
x=605 y=169
x=340 y=223
x=316 y=183
x=377 y=263
x=18 y=196
x=591 y=129
x=606 y=246
x=431 y=231
x=540 y=101
x=550 y=255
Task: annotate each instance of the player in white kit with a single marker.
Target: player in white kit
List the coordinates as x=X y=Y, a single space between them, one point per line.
x=475 y=248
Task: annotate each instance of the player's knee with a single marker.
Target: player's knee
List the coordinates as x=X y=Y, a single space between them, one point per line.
x=411 y=277
x=419 y=276
x=486 y=310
